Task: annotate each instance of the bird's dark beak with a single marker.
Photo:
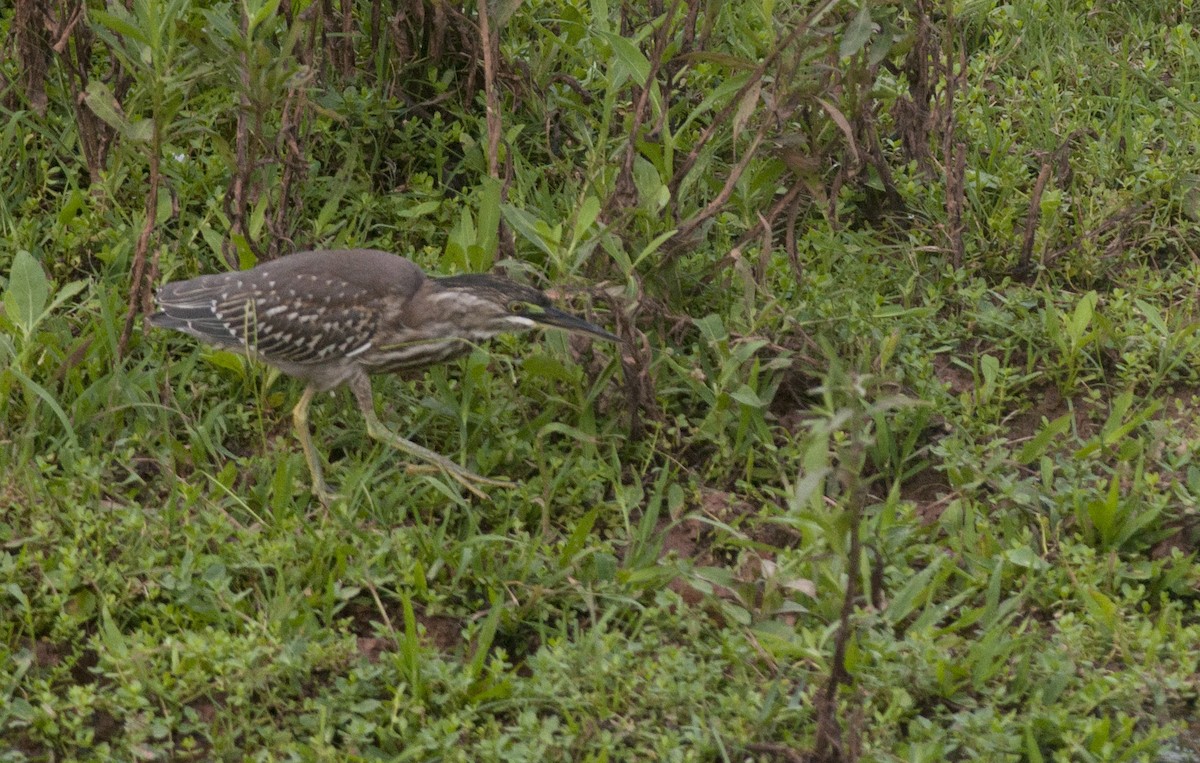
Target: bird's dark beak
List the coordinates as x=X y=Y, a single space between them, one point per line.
x=552 y=316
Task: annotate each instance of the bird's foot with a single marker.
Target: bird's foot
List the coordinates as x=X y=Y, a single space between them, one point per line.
x=465 y=477
x=326 y=496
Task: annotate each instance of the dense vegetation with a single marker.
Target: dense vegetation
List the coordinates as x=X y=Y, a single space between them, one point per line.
x=900 y=460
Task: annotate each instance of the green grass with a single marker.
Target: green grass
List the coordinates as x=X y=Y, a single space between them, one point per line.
x=1016 y=451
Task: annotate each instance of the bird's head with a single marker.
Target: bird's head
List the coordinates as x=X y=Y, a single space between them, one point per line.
x=494 y=305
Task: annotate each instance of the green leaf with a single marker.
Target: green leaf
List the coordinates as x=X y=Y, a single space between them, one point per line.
x=27 y=292
x=712 y=328
x=261 y=14
x=809 y=489
x=140 y=131
x=485 y=636
x=652 y=192
x=589 y=210
x=487 y=226
x=653 y=246
x=1104 y=512
x=627 y=60
x=1102 y=609
x=502 y=11
x=747 y=396
x=1033 y=449
x=104 y=105
x=1153 y=316
x=258 y=216
x=1026 y=557
x=1083 y=315
x=417 y=210
x=526 y=224
x=71 y=206
x=545 y=366
x=858 y=32
x=599 y=15
x=989 y=366
x=918 y=587
x=118 y=24
x=231 y=361
x=578 y=539
x=63 y=294
x=42 y=392
x=746 y=107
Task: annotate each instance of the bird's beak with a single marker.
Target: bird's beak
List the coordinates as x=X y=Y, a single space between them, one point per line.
x=552 y=316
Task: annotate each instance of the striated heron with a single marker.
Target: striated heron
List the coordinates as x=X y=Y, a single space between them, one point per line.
x=336 y=317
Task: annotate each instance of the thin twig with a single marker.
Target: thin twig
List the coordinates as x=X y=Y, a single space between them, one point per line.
x=140 y=282
x=830 y=743
x=494 y=126
x=1032 y=215
x=687 y=227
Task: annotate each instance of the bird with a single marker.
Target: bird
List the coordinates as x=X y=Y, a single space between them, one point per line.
x=338 y=317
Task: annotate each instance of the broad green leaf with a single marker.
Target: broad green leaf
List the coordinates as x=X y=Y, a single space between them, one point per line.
x=485 y=636
x=746 y=107
x=233 y=362
x=62 y=295
x=712 y=328
x=27 y=292
x=578 y=538
x=330 y=210
x=1102 y=609
x=246 y=257
x=488 y=226
x=258 y=216
x=110 y=636
x=462 y=237
x=104 y=105
x=600 y=15
x=989 y=366
x=719 y=94
x=653 y=246
x=747 y=396
x=502 y=11
x=1153 y=316
x=916 y=588
x=900 y=311
x=857 y=33
x=46 y=397
x=70 y=208
x=1104 y=512
x=14 y=590
x=559 y=428
x=545 y=366
x=810 y=486
x=589 y=210
x=260 y=14
x=140 y=131
x=630 y=61
x=652 y=192
x=526 y=224
x=418 y=210
x=1083 y=315
x=1026 y=557
x=1033 y=449
x=118 y=24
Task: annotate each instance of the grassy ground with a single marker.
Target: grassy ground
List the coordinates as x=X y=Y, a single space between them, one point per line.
x=951 y=380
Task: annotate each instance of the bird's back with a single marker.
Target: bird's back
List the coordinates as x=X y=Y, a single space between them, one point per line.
x=312 y=314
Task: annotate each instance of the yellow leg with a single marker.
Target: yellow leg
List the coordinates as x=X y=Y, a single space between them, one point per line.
x=300 y=420
x=361 y=386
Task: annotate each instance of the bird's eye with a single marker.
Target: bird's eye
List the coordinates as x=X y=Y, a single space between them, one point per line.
x=516 y=307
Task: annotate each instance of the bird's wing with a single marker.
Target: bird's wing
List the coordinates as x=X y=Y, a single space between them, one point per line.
x=294 y=323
